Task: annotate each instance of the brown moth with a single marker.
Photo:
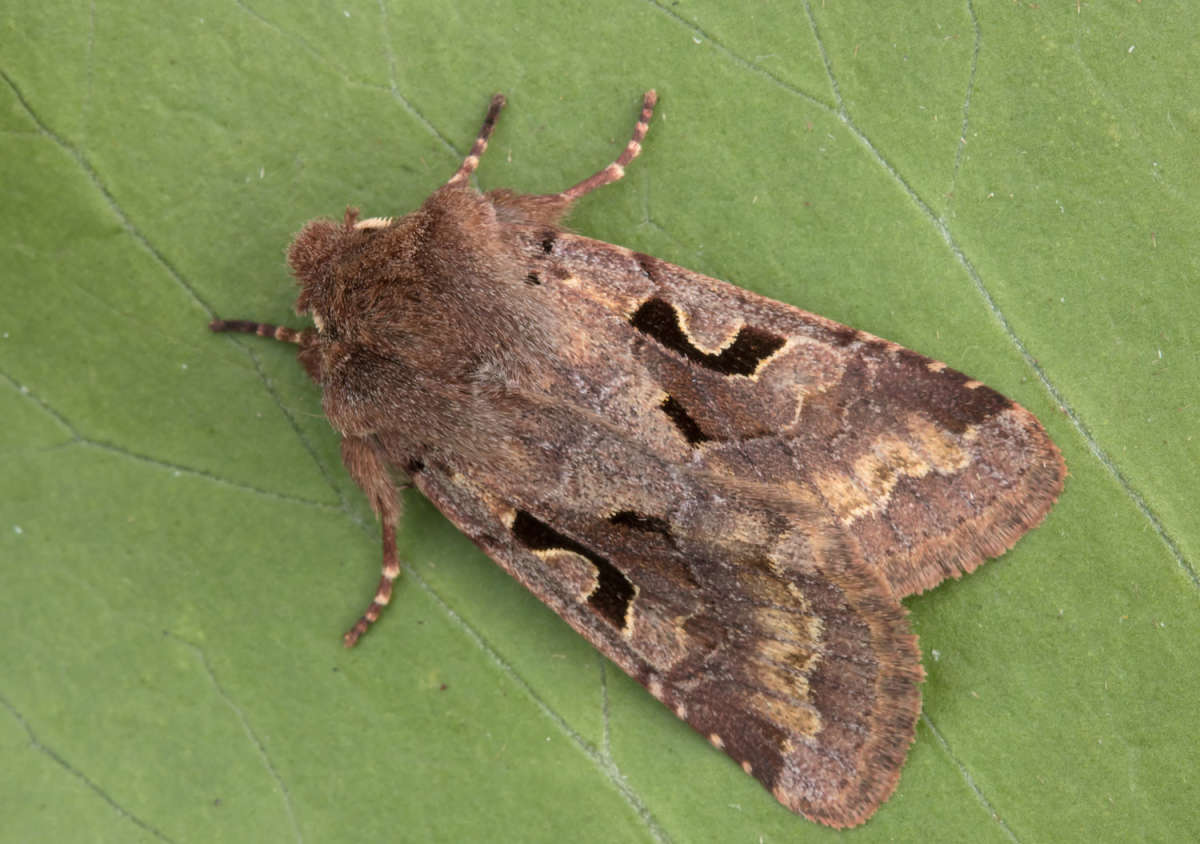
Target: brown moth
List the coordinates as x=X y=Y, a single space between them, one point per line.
x=728 y=496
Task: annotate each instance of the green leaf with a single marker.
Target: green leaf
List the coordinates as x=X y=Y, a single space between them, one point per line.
x=1011 y=188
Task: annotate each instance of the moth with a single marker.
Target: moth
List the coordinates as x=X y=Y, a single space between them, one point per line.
x=727 y=496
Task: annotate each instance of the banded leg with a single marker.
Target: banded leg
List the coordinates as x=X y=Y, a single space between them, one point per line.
x=262 y=329
x=477 y=149
x=616 y=170
x=370 y=472
x=309 y=354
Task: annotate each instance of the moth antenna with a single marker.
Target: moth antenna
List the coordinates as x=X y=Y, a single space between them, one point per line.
x=485 y=131
x=616 y=170
x=262 y=329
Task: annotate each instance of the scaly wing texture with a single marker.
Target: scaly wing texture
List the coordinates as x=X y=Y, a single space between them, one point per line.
x=768 y=635
x=931 y=471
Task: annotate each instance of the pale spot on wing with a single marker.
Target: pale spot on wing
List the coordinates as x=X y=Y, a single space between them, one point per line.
x=777 y=672
x=794 y=626
x=844 y=497
x=662 y=642
x=628 y=619
x=892 y=459
x=788 y=345
x=800 y=657
x=795 y=717
x=708 y=348
x=941 y=446
x=575 y=570
x=868 y=488
x=778 y=667
x=655 y=687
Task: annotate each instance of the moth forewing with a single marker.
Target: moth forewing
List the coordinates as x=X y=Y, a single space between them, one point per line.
x=726 y=495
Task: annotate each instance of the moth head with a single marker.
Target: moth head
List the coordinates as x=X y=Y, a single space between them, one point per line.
x=338 y=265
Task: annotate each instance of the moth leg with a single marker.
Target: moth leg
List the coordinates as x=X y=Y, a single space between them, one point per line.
x=370 y=472
x=477 y=149
x=262 y=329
x=616 y=170
x=306 y=339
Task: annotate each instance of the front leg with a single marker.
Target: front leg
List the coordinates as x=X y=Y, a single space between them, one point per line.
x=309 y=354
x=365 y=465
x=370 y=471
